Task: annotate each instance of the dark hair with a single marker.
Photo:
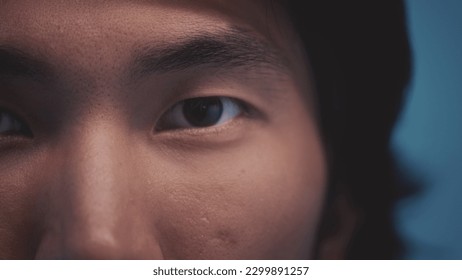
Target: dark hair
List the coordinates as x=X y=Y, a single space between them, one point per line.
x=360 y=57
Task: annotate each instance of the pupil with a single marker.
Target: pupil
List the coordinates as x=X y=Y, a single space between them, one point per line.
x=203 y=111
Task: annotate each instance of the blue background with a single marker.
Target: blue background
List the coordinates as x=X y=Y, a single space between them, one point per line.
x=428 y=138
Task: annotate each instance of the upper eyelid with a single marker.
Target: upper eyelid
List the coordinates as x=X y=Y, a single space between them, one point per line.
x=176 y=99
x=247 y=106
x=15 y=112
x=239 y=103
x=11 y=113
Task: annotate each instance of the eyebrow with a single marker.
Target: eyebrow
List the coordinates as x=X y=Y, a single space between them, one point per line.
x=227 y=49
x=15 y=63
x=231 y=48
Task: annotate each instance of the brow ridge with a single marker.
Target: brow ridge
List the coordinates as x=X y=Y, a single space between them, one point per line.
x=16 y=63
x=229 y=49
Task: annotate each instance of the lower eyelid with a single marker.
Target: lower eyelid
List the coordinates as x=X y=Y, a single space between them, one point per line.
x=201 y=132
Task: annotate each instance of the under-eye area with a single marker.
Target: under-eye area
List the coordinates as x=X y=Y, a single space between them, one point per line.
x=191 y=129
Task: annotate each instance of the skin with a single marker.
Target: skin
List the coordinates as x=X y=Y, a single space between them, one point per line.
x=99 y=180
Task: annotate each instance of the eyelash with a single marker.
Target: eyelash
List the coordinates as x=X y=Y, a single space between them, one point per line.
x=224 y=110
x=12 y=125
x=212 y=111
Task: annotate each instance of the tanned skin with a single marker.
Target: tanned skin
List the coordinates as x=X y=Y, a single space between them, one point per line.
x=95 y=162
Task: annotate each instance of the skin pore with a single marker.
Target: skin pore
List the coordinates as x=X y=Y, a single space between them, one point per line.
x=100 y=161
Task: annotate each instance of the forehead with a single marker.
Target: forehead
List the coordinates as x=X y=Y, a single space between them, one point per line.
x=99 y=35
x=93 y=20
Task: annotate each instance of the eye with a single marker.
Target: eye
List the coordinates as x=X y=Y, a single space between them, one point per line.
x=11 y=125
x=200 y=112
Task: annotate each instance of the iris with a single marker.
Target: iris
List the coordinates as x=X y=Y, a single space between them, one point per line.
x=203 y=112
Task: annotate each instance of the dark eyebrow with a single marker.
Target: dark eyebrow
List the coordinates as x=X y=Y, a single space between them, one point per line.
x=15 y=63
x=227 y=49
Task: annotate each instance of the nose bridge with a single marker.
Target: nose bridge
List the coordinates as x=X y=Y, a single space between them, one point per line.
x=94 y=171
x=94 y=162
x=95 y=209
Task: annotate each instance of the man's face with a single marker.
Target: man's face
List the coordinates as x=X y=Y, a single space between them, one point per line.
x=155 y=129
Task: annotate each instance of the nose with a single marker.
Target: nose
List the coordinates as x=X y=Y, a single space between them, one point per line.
x=95 y=208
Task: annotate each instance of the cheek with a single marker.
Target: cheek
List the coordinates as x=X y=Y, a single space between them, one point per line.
x=260 y=200
x=19 y=215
